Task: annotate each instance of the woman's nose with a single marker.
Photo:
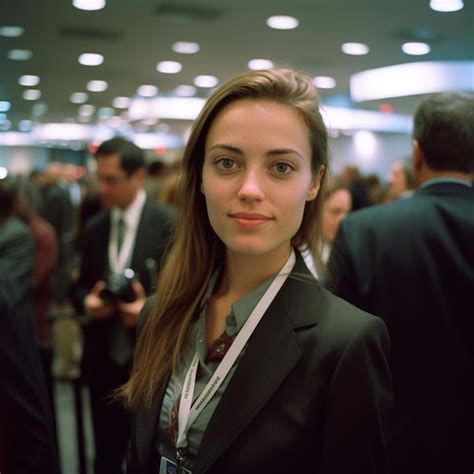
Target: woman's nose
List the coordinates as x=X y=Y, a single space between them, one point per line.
x=252 y=186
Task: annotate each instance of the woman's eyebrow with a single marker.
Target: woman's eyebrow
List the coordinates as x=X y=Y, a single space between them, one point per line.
x=276 y=152
x=227 y=147
x=285 y=151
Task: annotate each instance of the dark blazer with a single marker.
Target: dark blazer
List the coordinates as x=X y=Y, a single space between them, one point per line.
x=152 y=238
x=412 y=263
x=310 y=394
x=27 y=442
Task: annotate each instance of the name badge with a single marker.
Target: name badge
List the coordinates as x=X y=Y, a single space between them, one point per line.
x=167 y=466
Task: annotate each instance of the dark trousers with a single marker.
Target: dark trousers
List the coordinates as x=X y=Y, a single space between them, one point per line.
x=110 y=421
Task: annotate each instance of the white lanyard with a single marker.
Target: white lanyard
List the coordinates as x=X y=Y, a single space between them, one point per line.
x=187 y=413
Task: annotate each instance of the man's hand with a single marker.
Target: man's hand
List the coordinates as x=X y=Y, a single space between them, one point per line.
x=131 y=311
x=96 y=308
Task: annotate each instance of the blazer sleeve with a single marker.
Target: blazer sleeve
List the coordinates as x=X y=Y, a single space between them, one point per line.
x=359 y=403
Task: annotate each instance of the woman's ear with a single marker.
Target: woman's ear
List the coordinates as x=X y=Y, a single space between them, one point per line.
x=315 y=184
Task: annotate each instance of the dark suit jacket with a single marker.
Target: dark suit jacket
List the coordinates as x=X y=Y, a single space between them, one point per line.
x=412 y=263
x=27 y=443
x=152 y=238
x=310 y=394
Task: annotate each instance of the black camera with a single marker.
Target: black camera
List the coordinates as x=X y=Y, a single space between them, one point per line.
x=119 y=287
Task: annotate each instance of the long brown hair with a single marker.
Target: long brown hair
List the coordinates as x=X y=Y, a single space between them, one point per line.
x=197 y=251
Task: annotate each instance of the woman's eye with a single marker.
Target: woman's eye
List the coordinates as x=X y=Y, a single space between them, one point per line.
x=283 y=168
x=226 y=164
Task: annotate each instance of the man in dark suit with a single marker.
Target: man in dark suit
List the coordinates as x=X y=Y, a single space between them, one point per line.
x=27 y=442
x=128 y=238
x=412 y=263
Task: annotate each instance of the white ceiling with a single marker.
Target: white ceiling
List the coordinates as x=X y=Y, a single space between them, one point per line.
x=134 y=35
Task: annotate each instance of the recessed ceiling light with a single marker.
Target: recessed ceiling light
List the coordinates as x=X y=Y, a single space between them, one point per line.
x=356 y=49
x=282 y=22
x=446 y=5
x=416 y=49
x=97 y=86
x=121 y=102
x=78 y=97
x=19 y=54
x=89 y=4
x=324 y=82
x=28 y=80
x=86 y=110
x=185 y=91
x=39 y=109
x=11 y=31
x=169 y=67
x=147 y=90
x=4 y=126
x=206 y=81
x=257 y=64
x=4 y=106
x=31 y=94
x=91 y=59
x=185 y=47
x=25 y=125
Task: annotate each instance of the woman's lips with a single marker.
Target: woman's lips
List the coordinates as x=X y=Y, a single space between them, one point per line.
x=249 y=220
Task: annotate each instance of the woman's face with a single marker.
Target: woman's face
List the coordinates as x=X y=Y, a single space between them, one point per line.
x=335 y=208
x=257 y=177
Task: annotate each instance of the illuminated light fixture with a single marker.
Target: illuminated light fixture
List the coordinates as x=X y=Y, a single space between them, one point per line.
x=205 y=81
x=28 y=80
x=86 y=110
x=179 y=108
x=386 y=108
x=446 y=5
x=258 y=64
x=3 y=117
x=355 y=49
x=401 y=80
x=61 y=131
x=147 y=90
x=97 y=86
x=78 y=97
x=31 y=94
x=3 y=172
x=169 y=67
x=416 y=49
x=185 y=91
x=5 y=125
x=324 y=82
x=282 y=22
x=19 y=54
x=105 y=112
x=185 y=47
x=25 y=125
x=89 y=5
x=365 y=143
x=5 y=106
x=91 y=59
x=11 y=31
x=121 y=102
x=339 y=118
x=39 y=109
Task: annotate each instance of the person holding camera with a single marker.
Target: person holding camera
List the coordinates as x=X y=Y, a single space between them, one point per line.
x=122 y=248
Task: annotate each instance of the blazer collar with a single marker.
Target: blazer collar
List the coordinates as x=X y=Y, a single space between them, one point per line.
x=274 y=349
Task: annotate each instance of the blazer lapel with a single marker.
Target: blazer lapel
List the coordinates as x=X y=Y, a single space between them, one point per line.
x=272 y=353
